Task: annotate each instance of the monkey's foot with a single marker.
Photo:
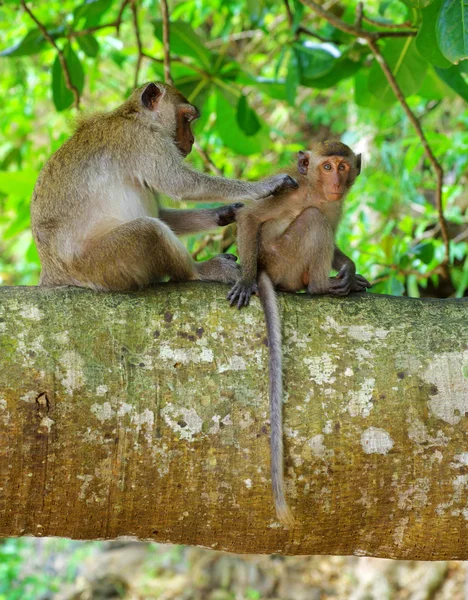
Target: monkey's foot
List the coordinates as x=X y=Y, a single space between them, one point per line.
x=240 y=293
x=222 y=268
x=347 y=281
x=227 y=214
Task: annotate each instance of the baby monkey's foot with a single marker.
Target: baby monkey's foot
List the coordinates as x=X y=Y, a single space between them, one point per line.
x=240 y=293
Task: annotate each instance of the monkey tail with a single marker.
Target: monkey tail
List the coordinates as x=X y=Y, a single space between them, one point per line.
x=267 y=295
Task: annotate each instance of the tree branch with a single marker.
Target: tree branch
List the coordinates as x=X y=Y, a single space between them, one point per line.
x=136 y=29
x=371 y=38
x=207 y=160
x=166 y=44
x=61 y=56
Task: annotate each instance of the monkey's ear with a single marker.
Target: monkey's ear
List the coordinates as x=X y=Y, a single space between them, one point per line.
x=151 y=96
x=358 y=163
x=302 y=162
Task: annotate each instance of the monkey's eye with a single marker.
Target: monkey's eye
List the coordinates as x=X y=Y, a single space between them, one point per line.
x=327 y=166
x=341 y=167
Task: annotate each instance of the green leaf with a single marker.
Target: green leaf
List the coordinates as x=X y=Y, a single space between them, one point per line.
x=425 y=252
x=298 y=14
x=185 y=42
x=247 y=118
x=88 y=44
x=407 y=65
x=63 y=97
x=292 y=77
x=454 y=79
x=32 y=43
x=230 y=132
x=433 y=88
x=314 y=60
x=362 y=95
x=92 y=11
x=452 y=30
x=343 y=68
x=426 y=41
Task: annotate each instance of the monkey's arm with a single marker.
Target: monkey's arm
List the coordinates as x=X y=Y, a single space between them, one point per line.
x=191 y=221
x=346 y=279
x=249 y=222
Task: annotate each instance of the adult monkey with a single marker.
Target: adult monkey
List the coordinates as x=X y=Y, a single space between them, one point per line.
x=94 y=217
x=290 y=241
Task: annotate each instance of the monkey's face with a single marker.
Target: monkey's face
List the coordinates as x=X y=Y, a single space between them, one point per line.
x=184 y=139
x=334 y=174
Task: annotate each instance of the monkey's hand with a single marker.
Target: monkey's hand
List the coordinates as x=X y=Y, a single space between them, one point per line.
x=280 y=183
x=240 y=293
x=227 y=214
x=346 y=281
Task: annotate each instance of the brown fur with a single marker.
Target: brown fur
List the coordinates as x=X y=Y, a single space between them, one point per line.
x=94 y=216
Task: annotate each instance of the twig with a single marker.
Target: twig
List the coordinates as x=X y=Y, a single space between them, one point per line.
x=206 y=242
x=82 y=32
x=166 y=46
x=118 y=23
x=371 y=38
x=176 y=59
x=428 y=150
x=235 y=37
x=61 y=56
x=386 y=25
x=136 y=29
x=321 y=38
x=352 y=29
x=289 y=13
x=359 y=15
x=207 y=160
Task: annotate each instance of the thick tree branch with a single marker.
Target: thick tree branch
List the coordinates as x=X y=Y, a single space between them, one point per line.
x=61 y=56
x=146 y=414
x=371 y=39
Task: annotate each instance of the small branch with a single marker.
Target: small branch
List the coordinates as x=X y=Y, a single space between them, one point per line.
x=386 y=25
x=352 y=29
x=166 y=45
x=175 y=59
x=428 y=150
x=61 y=56
x=136 y=29
x=289 y=13
x=311 y=33
x=207 y=160
x=359 y=15
x=82 y=32
x=118 y=23
x=371 y=38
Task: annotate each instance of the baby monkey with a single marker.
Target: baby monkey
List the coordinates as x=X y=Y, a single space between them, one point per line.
x=288 y=242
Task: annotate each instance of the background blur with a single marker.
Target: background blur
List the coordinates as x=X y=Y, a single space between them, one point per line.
x=270 y=78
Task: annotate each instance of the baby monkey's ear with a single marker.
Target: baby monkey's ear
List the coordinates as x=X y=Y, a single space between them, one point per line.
x=358 y=164
x=302 y=162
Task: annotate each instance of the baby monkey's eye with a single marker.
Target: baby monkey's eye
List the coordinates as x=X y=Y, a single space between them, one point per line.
x=327 y=166
x=341 y=167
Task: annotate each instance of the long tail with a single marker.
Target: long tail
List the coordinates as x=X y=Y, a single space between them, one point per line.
x=267 y=295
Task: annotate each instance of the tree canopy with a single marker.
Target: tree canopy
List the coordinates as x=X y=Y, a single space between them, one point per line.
x=270 y=77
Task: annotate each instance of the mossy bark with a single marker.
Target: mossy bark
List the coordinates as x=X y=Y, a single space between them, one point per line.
x=146 y=414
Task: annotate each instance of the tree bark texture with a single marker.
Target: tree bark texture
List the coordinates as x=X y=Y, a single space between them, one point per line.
x=146 y=414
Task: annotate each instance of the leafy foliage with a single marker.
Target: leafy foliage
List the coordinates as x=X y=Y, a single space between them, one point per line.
x=269 y=77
